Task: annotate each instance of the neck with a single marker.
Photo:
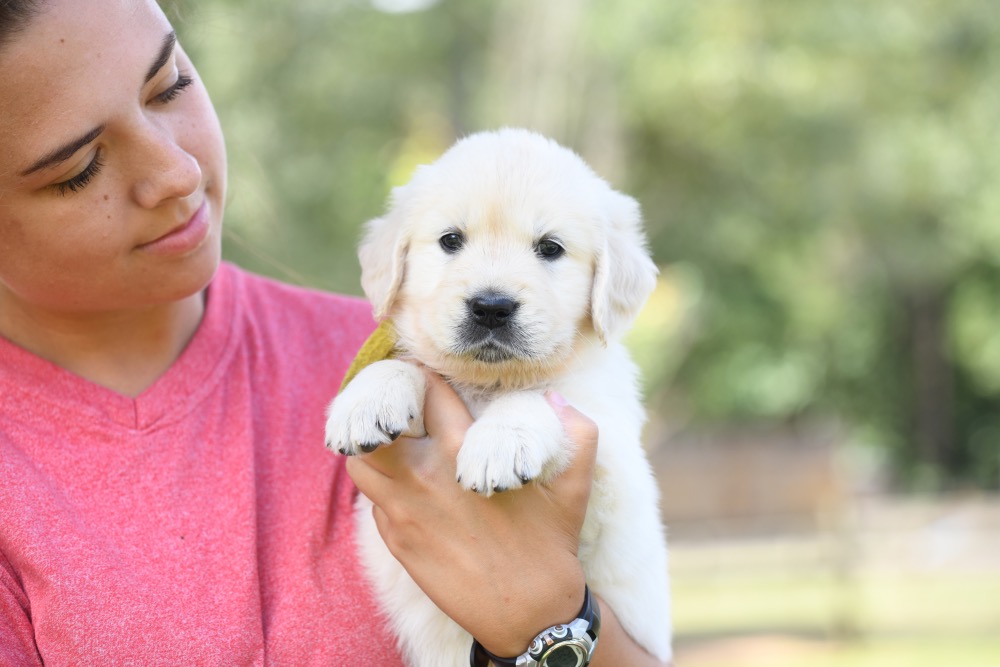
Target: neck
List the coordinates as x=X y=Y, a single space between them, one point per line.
x=123 y=351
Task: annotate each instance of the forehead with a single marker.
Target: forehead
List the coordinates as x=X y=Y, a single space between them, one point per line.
x=67 y=71
x=514 y=195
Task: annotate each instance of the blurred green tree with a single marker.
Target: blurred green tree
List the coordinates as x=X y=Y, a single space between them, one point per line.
x=818 y=179
x=830 y=170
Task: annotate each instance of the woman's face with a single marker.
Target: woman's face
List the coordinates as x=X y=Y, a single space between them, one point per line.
x=112 y=163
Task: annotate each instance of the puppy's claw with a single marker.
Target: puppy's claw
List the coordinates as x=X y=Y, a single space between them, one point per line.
x=371 y=411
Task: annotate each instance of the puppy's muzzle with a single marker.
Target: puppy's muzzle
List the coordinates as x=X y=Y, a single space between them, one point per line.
x=489 y=332
x=491 y=310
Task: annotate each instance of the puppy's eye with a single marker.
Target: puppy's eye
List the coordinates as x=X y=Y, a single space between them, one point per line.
x=451 y=242
x=549 y=249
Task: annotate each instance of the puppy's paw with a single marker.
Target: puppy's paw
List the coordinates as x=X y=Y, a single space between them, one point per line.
x=385 y=400
x=504 y=450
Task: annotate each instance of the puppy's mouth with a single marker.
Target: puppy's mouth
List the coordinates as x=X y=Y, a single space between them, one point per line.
x=490 y=331
x=492 y=353
x=490 y=346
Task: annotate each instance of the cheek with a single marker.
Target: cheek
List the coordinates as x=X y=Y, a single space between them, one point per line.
x=200 y=134
x=424 y=275
x=581 y=285
x=446 y=306
x=93 y=227
x=569 y=286
x=12 y=235
x=426 y=285
x=59 y=237
x=15 y=252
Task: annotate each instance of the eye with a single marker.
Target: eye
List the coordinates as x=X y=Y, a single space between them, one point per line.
x=549 y=249
x=168 y=95
x=81 y=180
x=451 y=242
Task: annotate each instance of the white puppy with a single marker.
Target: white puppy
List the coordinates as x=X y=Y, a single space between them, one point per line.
x=509 y=267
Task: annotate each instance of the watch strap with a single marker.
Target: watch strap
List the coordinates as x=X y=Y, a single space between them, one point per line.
x=589 y=612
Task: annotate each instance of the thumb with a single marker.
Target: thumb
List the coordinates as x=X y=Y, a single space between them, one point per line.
x=582 y=433
x=446 y=417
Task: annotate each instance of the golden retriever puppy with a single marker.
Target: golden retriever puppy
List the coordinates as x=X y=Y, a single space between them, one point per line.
x=509 y=267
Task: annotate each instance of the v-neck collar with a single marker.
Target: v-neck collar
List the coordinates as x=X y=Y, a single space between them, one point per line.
x=194 y=373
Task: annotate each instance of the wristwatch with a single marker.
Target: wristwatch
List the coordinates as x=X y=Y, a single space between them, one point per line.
x=568 y=645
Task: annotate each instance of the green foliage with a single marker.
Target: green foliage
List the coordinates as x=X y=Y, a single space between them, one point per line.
x=818 y=178
x=830 y=169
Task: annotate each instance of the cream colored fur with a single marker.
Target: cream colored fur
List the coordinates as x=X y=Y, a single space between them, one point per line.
x=504 y=192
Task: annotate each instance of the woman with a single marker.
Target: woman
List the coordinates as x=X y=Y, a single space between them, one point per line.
x=164 y=493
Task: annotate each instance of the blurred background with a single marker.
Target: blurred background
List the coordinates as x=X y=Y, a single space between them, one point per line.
x=821 y=187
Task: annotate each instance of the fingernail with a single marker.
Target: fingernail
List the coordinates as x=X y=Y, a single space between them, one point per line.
x=556 y=399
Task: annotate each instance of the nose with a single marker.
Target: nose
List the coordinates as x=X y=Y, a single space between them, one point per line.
x=168 y=171
x=491 y=310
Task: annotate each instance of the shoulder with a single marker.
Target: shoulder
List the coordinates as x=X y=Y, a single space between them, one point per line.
x=294 y=316
x=273 y=297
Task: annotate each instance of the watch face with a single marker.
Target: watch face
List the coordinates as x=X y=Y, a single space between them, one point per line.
x=565 y=655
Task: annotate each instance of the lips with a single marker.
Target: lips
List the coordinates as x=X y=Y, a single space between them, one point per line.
x=183 y=238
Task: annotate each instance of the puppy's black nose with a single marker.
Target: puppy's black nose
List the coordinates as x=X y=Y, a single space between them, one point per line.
x=491 y=310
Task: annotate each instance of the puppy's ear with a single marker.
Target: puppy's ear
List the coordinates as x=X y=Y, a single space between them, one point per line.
x=383 y=261
x=625 y=274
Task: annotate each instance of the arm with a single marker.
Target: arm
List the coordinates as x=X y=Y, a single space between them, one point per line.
x=503 y=567
x=617 y=648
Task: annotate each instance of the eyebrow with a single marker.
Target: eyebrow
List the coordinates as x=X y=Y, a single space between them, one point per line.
x=67 y=150
x=64 y=152
x=165 y=52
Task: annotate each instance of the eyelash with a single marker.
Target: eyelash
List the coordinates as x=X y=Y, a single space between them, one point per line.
x=168 y=95
x=81 y=180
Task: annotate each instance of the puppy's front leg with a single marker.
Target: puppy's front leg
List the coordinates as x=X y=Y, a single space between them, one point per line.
x=517 y=438
x=385 y=400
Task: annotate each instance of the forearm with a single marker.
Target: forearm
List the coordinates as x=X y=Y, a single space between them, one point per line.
x=616 y=648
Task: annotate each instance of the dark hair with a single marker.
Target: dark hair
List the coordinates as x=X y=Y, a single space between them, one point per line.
x=14 y=17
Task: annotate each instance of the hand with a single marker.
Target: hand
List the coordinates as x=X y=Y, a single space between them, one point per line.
x=503 y=567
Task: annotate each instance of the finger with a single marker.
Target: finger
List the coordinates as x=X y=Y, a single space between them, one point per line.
x=382 y=524
x=388 y=460
x=368 y=479
x=445 y=416
x=377 y=474
x=583 y=433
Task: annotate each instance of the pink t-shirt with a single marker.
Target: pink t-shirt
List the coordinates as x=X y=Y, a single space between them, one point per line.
x=202 y=523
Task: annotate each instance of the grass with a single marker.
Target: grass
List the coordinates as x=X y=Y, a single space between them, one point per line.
x=787 y=651
x=812 y=619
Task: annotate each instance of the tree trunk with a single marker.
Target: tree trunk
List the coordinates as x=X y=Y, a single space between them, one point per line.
x=932 y=413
